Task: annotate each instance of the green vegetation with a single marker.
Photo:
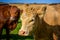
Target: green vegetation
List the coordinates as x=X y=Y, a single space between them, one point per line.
x=14 y=34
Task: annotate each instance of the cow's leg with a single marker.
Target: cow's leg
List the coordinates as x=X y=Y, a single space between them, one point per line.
x=12 y=27
x=56 y=34
x=0 y=34
x=54 y=37
x=1 y=28
x=7 y=34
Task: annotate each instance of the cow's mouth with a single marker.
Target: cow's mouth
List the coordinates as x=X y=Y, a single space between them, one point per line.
x=12 y=18
x=23 y=33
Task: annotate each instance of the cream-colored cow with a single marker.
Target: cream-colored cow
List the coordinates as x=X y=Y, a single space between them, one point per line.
x=40 y=21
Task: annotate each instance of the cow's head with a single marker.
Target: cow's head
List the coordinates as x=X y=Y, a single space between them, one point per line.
x=14 y=12
x=29 y=18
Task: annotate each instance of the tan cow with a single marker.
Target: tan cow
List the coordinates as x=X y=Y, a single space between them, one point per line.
x=52 y=17
x=32 y=22
x=43 y=22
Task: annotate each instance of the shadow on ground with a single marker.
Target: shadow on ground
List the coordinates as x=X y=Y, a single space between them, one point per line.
x=17 y=37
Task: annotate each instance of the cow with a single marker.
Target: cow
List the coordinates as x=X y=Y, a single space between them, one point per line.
x=9 y=16
x=43 y=21
x=13 y=21
x=52 y=18
x=4 y=16
x=33 y=23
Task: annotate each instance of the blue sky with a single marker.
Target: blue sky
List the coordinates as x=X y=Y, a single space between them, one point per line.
x=30 y=1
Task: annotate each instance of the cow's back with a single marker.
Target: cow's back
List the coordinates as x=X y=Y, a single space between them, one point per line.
x=52 y=16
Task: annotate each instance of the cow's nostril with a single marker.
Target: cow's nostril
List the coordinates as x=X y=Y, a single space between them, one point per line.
x=23 y=33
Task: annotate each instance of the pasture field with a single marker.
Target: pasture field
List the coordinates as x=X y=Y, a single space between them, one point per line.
x=14 y=34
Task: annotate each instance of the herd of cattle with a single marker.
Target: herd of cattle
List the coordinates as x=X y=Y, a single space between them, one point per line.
x=42 y=22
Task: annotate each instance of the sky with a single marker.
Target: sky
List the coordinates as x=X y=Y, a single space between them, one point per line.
x=30 y=1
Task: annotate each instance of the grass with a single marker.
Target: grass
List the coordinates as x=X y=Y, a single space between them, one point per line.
x=14 y=34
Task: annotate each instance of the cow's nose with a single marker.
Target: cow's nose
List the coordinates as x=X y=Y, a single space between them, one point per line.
x=23 y=33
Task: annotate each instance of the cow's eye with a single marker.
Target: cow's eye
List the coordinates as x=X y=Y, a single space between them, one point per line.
x=31 y=20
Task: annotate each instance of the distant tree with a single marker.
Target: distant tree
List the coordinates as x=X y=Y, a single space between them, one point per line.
x=27 y=4
x=34 y=3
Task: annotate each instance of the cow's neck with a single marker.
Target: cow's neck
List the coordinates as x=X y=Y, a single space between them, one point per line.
x=40 y=30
